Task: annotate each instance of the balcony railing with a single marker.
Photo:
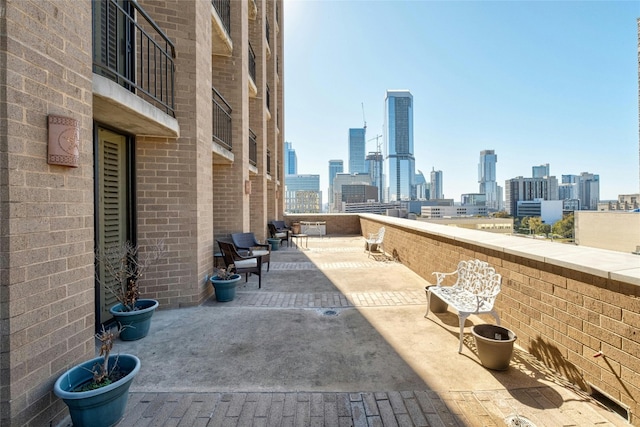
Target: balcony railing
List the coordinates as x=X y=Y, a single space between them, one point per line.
x=269 y=162
x=268 y=98
x=268 y=30
x=223 y=8
x=221 y=120
x=253 y=148
x=130 y=49
x=252 y=63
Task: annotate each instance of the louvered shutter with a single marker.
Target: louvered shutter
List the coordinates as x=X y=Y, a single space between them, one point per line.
x=112 y=207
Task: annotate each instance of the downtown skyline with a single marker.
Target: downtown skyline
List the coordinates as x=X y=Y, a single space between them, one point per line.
x=538 y=82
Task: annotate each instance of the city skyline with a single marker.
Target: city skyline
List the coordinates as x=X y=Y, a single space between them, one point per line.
x=483 y=75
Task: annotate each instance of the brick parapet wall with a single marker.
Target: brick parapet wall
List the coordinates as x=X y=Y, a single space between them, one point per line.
x=338 y=224
x=563 y=313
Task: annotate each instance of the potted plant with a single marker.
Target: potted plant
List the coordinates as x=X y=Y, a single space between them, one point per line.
x=125 y=266
x=97 y=390
x=224 y=283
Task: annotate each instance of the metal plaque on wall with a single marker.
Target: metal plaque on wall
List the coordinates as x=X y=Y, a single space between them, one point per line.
x=64 y=141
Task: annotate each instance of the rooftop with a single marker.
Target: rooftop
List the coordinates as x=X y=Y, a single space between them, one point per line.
x=336 y=338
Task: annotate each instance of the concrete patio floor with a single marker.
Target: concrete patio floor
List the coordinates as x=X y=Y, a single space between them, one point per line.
x=336 y=338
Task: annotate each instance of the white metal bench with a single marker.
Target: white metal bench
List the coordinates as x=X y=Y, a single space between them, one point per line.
x=474 y=291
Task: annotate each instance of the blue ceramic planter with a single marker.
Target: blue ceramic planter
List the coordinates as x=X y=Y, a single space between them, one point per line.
x=225 y=289
x=104 y=406
x=134 y=324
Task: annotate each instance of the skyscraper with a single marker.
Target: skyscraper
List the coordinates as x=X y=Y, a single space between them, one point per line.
x=290 y=160
x=335 y=167
x=436 y=185
x=357 y=148
x=374 y=163
x=399 y=138
x=528 y=189
x=589 y=191
x=487 y=179
x=540 y=171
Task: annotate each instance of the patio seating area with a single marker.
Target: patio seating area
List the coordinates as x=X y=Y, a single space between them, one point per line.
x=334 y=337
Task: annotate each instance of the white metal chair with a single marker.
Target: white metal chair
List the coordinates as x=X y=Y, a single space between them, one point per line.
x=375 y=241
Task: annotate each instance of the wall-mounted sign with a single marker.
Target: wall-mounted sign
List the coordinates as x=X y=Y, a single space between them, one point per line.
x=64 y=141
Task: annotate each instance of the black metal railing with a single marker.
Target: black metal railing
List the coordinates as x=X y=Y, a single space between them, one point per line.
x=268 y=98
x=252 y=64
x=268 y=30
x=221 y=120
x=130 y=49
x=269 y=162
x=223 y=8
x=253 y=148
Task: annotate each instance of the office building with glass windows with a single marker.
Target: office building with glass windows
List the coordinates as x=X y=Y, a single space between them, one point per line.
x=398 y=130
x=357 y=149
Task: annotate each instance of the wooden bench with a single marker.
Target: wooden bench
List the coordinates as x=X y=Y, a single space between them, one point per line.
x=474 y=292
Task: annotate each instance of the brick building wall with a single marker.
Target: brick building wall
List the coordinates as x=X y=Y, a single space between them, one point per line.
x=46 y=211
x=562 y=315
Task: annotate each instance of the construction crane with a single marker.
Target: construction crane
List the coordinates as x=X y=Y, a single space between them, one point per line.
x=364 y=119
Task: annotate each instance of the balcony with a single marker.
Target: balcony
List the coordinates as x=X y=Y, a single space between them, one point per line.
x=253 y=149
x=221 y=43
x=133 y=66
x=253 y=89
x=268 y=162
x=349 y=331
x=222 y=128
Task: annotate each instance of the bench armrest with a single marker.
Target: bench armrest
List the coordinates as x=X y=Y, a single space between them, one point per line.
x=441 y=276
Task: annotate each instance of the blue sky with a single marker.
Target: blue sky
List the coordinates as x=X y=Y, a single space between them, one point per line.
x=537 y=81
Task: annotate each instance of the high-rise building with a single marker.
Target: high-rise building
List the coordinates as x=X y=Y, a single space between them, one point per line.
x=584 y=187
x=436 y=185
x=335 y=167
x=527 y=189
x=374 y=162
x=422 y=187
x=342 y=179
x=302 y=194
x=589 y=191
x=399 y=138
x=357 y=149
x=487 y=179
x=540 y=171
x=290 y=160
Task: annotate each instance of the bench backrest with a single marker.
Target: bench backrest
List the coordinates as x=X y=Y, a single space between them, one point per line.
x=479 y=278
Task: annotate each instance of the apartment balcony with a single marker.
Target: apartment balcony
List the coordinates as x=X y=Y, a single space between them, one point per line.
x=334 y=337
x=221 y=43
x=253 y=88
x=222 y=138
x=133 y=70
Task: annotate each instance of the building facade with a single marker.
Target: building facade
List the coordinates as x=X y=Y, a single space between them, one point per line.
x=302 y=194
x=398 y=129
x=540 y=171
x=180 y=145
x=290 y=159
x=526 y=189
x=487 y=179
x=357 y=150
x=436 y=187
x=335 y=167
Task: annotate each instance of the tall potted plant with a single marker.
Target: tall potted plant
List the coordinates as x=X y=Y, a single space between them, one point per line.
x=125 y=265
x=224 y=283
x=96 y=391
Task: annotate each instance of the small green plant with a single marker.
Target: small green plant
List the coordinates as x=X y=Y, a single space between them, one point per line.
x=125 y=266
x=226 y=273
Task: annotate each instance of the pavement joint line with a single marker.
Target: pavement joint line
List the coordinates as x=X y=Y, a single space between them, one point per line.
x=328 y=299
